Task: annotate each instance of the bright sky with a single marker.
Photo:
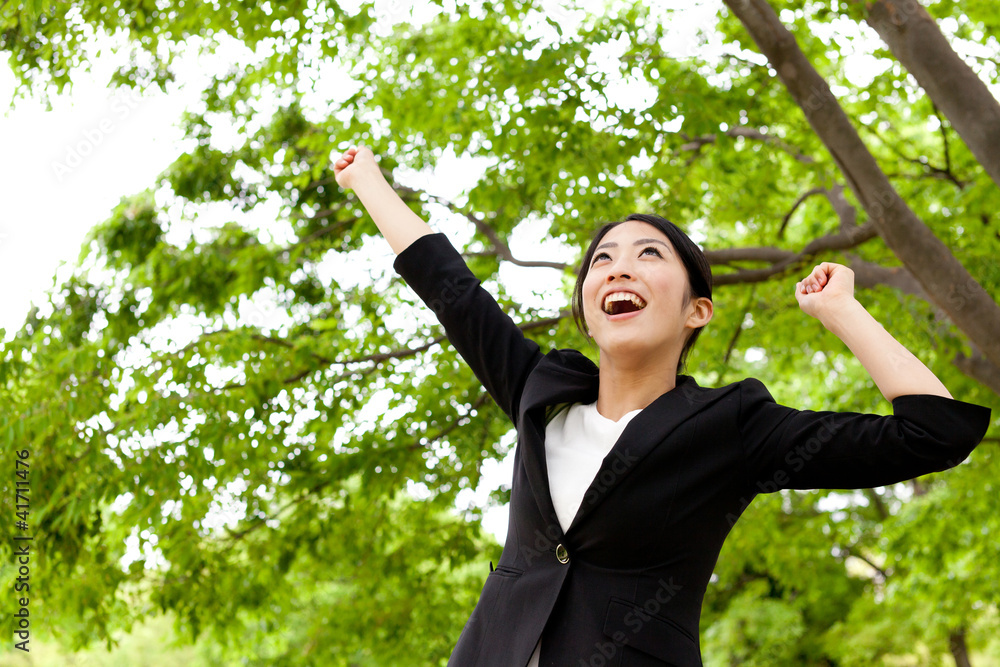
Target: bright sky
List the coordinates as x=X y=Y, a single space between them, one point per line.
x=63 y=171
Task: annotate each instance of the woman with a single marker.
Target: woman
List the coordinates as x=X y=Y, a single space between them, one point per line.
x=628 y=476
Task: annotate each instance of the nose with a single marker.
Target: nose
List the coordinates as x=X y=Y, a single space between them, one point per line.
x=615 y=275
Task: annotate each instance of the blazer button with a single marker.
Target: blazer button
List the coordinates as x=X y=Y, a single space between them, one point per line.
x=562 y=555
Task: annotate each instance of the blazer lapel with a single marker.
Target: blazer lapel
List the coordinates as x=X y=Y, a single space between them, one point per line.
x=645 y=432
x=562 y=376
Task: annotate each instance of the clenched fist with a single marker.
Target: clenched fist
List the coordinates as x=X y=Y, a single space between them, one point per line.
x=357 y=163
x=828 y=288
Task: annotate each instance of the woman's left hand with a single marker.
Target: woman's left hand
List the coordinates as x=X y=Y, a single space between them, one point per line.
x=828 y=288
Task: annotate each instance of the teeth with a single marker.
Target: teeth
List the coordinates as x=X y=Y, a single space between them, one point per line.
x=622 y=296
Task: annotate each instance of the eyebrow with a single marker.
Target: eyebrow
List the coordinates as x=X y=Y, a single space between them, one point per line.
x=612 y=244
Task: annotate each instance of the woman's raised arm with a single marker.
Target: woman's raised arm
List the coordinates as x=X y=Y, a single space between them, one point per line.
x=357 y=170
x=828 y=295
x=486 y=337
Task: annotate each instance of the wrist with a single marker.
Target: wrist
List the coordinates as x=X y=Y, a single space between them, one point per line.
x=840 y=316
x=367 y=181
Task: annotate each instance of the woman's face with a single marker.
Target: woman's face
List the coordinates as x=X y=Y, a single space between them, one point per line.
x=635 y=296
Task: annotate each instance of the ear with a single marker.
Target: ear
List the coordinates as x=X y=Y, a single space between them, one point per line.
x=701 y=311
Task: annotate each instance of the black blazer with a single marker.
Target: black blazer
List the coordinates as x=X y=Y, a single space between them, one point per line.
x=624 y=585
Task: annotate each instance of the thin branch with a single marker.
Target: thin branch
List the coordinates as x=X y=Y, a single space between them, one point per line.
x=752 y=133
x=877 y=504
x=944 y=139
x=455 y=423
x=798 y=202
x=319 y=233
x=499 y=254
x=786 y=259
x=258 y=521
x=853 y=552
x=376 y=359
x=870 y=275
x=739 y=328
x=382 y=357
x=944 y=174
x=934 y=174
x=500 y=247
x=696 y=143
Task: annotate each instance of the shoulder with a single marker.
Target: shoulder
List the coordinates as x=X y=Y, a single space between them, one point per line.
x=752 y=389
x=572 y=360
x=747 y=389
x=733 y=403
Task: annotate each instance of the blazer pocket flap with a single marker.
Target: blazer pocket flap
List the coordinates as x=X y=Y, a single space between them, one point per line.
x=629 y=624
x=503 y=571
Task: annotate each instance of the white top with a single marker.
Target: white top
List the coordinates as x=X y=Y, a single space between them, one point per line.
x=576 y=442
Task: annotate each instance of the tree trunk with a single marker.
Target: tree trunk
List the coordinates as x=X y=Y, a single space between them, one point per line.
x=916 y=41
x=946 y=281
x=959 y=651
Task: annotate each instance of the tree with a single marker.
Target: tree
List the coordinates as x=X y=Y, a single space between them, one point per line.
x=294 y=442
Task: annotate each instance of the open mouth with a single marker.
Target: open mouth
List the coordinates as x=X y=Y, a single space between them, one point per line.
x=619 y=303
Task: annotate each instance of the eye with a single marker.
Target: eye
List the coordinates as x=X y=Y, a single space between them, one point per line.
x=651 y=249
x=600 y=255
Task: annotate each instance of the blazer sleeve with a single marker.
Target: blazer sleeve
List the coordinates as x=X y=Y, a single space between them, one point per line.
x=786 y=448
x=486 y=337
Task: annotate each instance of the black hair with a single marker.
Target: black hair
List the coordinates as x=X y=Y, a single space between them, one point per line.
x=695 y=263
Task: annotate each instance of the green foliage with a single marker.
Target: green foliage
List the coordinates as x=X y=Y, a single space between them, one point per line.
x=284 y=442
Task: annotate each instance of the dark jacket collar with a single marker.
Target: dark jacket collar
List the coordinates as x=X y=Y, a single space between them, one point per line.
x=567 y=376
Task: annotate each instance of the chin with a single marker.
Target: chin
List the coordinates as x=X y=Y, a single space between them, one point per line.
x=628 y=344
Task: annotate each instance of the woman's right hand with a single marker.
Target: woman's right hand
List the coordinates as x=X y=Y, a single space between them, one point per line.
x=357 y=170
x=357 y=163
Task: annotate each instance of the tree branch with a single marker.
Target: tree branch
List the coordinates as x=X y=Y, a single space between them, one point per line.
x=948 y=284
x=695 y=144
x=725 y=256
x=938 y=173
x=845 y=211
x=500 y=247
x=739 y=328
x=867 y=274
x=784 y=259
x=870 y=275
x=980 y=369
x=946 y=145
x=855 y=553
x=376 y=359
x=798 y=202
x=918 y=43
x=455 y=423
x=881 y=511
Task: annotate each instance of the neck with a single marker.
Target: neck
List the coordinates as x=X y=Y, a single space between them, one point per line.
x=625 y=387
